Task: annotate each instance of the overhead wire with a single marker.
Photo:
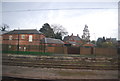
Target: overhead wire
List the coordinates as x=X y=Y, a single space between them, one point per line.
x=53 y=9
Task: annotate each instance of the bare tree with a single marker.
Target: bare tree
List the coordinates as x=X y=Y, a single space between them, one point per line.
x=4 y=27
x=57 y=28
x=59 y=31
x=86 y=34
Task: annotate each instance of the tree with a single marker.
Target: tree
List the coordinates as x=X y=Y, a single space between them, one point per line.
x=86 y=34
x=58 y=36
x=47 y=30
x=59 y=31
x=108 y=44
x=4 y=27
x=93 y=41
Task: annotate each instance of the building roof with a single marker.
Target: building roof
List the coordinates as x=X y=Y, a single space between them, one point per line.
x=77 y=38
x=3 y=32
x=72 y=42
x=89 y=45
x=28 y=31
x=111 y=39
x=52 y=41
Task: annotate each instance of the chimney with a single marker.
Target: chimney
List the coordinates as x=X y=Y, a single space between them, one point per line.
x=72 y=34
x=77 y=35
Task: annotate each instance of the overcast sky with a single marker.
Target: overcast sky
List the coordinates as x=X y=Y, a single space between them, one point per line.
x=101 y=17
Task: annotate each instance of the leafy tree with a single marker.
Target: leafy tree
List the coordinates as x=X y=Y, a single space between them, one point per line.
x=59 y=31
x=101 y=42
x=108 y=44
x=93 y=41
x=4 y=27
x=47 y=30
x=58 y=36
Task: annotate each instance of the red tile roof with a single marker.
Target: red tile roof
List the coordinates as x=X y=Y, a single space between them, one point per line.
x=89 y=44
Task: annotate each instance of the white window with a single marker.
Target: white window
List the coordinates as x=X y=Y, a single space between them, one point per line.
x=22 y=36
x=30 y=38
x=9 y=46
x=24 y=48
x=19 y=47
x=10 y=37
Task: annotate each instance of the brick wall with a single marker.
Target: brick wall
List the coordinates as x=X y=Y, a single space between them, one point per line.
x=35 y=48
x=50 y=49
x=106 y=51
x=65 y=50
x=85 y=50
x=36 y=39
x=56 y=50
x=60 y=50
x=98 y=51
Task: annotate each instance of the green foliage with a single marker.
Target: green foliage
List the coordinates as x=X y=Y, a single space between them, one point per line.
x=108 y=44
x=57 y=31
x=49 y=45
x=58 y=36
x=101 y=42
x=93 y=42
x=47 y=30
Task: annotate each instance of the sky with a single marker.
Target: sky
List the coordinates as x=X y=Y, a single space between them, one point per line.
x=100 y=17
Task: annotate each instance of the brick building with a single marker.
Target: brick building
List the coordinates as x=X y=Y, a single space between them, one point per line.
x=20 y=40
x=73 y=40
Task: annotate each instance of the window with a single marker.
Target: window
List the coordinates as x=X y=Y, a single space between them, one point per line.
x=73 y=44
x=22 y=36
x=10 y=46
x=24 y=48
x=10 y=37
x=30 y=38
x=19 y=47
x=70 y=39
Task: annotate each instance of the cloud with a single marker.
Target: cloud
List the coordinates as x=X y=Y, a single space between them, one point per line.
x=100 y=22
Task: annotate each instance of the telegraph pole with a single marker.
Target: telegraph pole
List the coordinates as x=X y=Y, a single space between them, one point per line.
x=18 y=45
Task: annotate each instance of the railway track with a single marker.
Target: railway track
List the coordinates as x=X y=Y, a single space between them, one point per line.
x=59 y=62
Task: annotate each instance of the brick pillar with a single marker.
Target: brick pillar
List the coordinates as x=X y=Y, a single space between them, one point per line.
x=65 y=50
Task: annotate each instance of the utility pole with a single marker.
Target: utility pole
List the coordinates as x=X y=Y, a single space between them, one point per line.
x=18 y=45
x=45 y=45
